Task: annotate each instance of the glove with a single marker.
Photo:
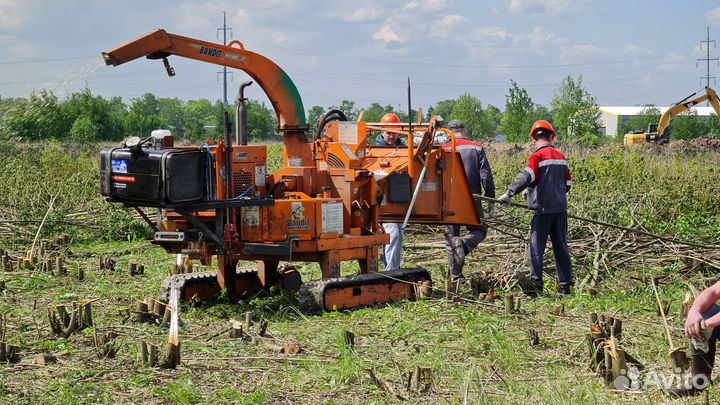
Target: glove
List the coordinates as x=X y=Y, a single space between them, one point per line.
x=491 y=212
x=505 y=199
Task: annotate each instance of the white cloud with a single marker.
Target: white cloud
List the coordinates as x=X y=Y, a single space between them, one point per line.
x=199 y=16
x=637 y=51
x=351 y=12
x=713 y=16
x=495 y=11
x=674 y=57
x=483 y=35
x=9 y=17
x=538 y=38
x=387 y=34
x=542 y=7
x=444 y=27
x=485 y=43
x=429 y=5
x=574 y=53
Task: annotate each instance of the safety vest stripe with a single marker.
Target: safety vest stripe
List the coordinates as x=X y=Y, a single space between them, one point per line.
x=553 y=162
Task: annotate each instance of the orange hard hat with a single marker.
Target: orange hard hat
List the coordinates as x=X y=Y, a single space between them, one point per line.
x=542 y=125
x=390 y=118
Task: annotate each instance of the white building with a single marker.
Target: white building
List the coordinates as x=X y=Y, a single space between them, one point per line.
x=610 y=116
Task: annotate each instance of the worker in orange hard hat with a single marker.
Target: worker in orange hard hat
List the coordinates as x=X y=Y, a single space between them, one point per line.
x=388 y=138
x=392 y=252
x=547 y=180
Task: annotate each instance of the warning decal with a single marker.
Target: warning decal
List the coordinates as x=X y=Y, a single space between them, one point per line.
x=332 y=217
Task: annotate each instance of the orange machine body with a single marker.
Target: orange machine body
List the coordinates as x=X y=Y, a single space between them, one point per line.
x=326 y=203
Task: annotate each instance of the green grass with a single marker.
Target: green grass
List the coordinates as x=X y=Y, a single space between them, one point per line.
x=463 y=344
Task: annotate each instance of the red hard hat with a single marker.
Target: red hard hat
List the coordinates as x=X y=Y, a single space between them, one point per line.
x=390 y=118
x=542 y=125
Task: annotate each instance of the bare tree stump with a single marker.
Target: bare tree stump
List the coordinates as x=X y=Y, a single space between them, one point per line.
x=166 y=317
x=81 y=274
x=132 y=266
x=248 y=320
x=349 y=339
x=533 y=337
x=149 y=354
x=509 y=304
x=171 y=357
x=424 y=290
x=262 y=330
x=59 y=266
x=141 y=312
x=685 y=306
x=62 y=324
x=9 y=353
x=421 y=379
x=236 y=330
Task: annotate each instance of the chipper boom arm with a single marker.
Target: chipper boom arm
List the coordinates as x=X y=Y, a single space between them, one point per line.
x=278 y=86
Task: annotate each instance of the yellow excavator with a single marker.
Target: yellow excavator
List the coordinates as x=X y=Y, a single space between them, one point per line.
x=660 y=133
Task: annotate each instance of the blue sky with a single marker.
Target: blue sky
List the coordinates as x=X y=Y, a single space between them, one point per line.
x=628 y=52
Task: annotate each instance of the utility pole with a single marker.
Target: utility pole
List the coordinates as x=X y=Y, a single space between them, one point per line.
x=707 y=59
x=224 y=73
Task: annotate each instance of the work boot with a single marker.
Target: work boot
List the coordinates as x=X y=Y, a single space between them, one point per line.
x=459 y=251
x=701 y=365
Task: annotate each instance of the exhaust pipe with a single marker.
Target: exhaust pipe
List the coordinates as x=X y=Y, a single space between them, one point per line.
x=241 y=136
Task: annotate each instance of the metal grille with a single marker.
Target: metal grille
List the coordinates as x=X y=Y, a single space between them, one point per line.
x=242 y=181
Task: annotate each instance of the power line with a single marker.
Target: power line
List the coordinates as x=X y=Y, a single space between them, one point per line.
x=224 y=72
x=707 y=59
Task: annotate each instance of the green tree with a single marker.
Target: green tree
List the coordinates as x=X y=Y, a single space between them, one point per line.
x=713 y=126
x=493 y=116
x=575 y=112
x=84 y=130
x=687 y=126
x=520 y=113
x=172 y=111
x=348 y=108
x=261 y=120
x=375 y=112
x=314 y=114
x=196 y=115
x=39 y=117
x=144 y=116
x=443 y=109
x=468 y=109
x=106 y=116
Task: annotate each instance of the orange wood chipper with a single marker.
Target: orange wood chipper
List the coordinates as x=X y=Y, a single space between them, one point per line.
x=325 y=205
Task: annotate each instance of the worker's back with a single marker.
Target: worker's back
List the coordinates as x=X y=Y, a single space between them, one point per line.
x=550 y=173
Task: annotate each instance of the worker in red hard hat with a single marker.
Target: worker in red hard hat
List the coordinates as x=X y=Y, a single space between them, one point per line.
x=547 y=180
x=392 y=252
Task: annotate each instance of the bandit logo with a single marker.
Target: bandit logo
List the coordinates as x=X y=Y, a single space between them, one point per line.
x=211 y=52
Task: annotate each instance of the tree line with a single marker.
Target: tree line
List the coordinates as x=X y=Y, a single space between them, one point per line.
x=85 y=117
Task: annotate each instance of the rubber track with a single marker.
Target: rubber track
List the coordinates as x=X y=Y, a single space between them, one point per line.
x=200 y=277
x=311 y=295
